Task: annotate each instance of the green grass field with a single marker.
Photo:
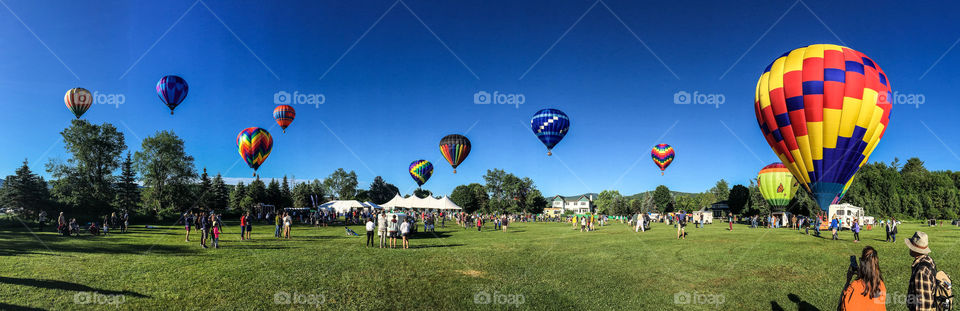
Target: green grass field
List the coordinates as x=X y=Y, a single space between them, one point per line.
x=544 y=266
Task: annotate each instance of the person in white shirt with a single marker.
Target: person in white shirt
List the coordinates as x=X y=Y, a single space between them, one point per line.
x=405 y=233
x=382 y=229
x=370 y=227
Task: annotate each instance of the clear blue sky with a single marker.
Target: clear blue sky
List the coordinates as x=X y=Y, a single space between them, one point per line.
x=393 y=89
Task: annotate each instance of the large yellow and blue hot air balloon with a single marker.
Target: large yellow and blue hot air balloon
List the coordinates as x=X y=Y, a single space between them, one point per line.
x=777 y=185
x=823 y=109
x=420 y=171
x=254 y=145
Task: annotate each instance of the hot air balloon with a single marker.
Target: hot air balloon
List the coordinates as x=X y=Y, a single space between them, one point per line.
x=550 y=125
x=823 y=109
x=172 y=90
x=284 y=115
x=777 y=185
x=662 y=155
x=78 y=100
x=455 y=148
x=421 y=170
x=254 y=144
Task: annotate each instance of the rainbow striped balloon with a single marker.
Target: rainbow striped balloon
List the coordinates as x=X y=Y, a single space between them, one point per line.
x=823 y=109
x=284 y=115
x=455 y=148
x=777 y=185
x=78 y=100
x=254 y=144
x=421 y=170
x=662 y=155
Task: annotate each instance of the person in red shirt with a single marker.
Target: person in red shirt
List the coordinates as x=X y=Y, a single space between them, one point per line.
x=243 y=226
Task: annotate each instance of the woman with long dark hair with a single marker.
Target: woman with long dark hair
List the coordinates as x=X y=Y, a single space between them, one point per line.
x=867 y=292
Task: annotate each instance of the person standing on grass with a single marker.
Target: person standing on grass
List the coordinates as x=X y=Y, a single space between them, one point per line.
x=855 y=228
x=287 y=225
x=886 y=228
x=392 y=228
x=370 y=227
x=187 y=223
x=583 y=223
x=681 y=225
x=382 y=228
x=216 y=234
x=277 y=222
x=41 y=220
x=106 y=227
x=249 y=226
x=505 y=223
x=405 y=234
x=204 y=223
x=894 y=224
x=834 y=226
x=920 y=290
x=479 y=223
x=243 y=226
x=730 y=220
x=867 y=292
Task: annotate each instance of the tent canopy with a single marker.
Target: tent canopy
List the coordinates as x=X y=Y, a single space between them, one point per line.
x=342 y=206
x=414 y=202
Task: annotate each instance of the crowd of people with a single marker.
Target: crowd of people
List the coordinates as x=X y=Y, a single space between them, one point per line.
x=70 y=227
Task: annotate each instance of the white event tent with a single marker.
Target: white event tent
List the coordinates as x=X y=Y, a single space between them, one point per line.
x=342 y=206
x=413 y=202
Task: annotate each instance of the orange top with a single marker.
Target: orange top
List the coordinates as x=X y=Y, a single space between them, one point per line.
x=854 y=300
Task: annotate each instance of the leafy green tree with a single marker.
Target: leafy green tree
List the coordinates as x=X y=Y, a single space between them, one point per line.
x=220 y=197
x=237 y=195
x=422 y=193
x=739 y=199
x=85 y=181
x=128 y=191
x=721 y=191
x=380 y=191
x=341 y=184
x=167 y=171
x=25 y=192
x=471 y=198
x=609 y=202
x=663 y=199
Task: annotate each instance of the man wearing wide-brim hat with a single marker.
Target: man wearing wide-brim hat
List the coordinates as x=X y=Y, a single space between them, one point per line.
x=920 y=293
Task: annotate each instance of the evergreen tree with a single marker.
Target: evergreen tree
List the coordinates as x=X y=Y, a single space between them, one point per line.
x=128 y=192
x=25 y=192
x=237 y=195
x=220 y=195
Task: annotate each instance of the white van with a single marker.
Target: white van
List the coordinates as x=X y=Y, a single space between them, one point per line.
x=845 y=212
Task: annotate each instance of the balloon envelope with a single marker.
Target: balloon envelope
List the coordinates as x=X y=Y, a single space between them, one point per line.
x=455 y=148
x=254 y=145
x=78 y=100
x=172 y=91
x=421 y=170
x=284 y=114
x=823 y=109
x=550 y=126
x=777 y=185
x=662 y=155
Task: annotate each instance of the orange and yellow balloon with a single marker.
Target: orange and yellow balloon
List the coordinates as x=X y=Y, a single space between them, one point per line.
x=254 y=145
x=777 y=185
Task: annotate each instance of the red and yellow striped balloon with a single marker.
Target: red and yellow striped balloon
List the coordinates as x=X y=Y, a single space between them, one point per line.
x=284 y=114
x=78 y=100
x=254 y=144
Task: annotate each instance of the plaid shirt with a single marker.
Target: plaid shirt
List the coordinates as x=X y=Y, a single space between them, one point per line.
x=920 y=293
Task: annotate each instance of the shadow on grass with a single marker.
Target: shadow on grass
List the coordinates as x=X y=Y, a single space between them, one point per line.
x=430 y=235
x=84 y=245
x=4 y=306
x=802 y=305
x=434 y=246
x=62 y=285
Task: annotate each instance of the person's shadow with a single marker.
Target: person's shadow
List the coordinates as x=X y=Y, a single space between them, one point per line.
x=802 y=305
x=62 y=285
